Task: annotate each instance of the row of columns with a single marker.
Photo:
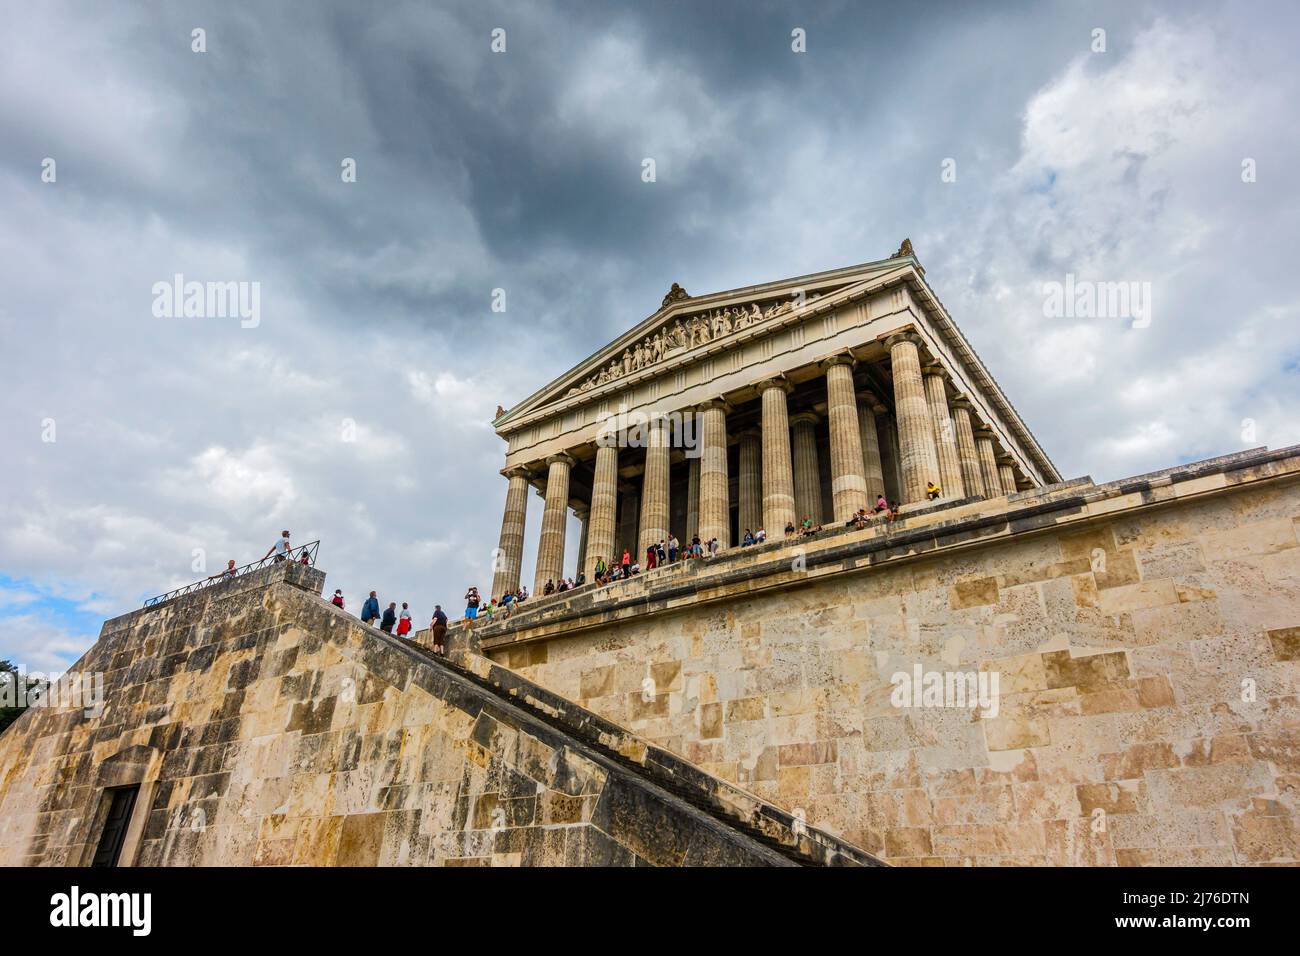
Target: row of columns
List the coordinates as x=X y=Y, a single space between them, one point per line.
x=927 y=439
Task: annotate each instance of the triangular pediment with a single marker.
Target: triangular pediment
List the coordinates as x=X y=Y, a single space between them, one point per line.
x=686 y=323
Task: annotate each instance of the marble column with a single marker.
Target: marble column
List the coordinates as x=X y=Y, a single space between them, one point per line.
x=751 y=482
x=807 y=474
x=692 y=500
x=778 y=475
x=654 y=487
x=715 y=506
x=945 y=439
x=968 y=456
x=1007 y=474
x=602 y=526
x=873 y=470
x=848 y=485
x=550 y=547
x=918 y=458
x=888 y=454
x=988 y=462
x=627 y=525
x=509 y=558
x=583 y=514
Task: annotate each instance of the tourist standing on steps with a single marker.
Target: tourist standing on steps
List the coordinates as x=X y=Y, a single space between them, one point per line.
x=439 y=630
x=404 y=621
x=674 y=547
x=627 y=562
x=651 y=554
x=472 y=601
x=337 y=600
x=280 y=549
x=389 y=618
x=370 y=610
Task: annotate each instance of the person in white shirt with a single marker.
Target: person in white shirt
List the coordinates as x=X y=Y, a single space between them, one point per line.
x=280 y=549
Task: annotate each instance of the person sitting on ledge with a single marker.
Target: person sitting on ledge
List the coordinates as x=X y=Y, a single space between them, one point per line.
x=931 y=490
x=580 y=580
x=748 y=539
x=636 y=569
x=789 y=528
x=523 y=593
x=337 y=600
x=550 y=587
x=881 y=504
x=760 y=536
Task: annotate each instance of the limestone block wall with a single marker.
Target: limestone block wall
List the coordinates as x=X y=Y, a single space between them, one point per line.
x=1146 y=638
x=265 y=727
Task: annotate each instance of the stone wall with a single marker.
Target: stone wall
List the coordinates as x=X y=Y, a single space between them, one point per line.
x=1146 y=637
x=266 y=727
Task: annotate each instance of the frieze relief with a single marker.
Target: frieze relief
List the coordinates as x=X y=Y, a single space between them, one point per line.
x=685 y=334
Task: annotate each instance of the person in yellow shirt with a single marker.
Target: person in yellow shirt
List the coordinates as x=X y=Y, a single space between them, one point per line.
x=931 y=490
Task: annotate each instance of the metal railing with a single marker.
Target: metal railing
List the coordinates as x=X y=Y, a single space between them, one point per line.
x=295 y=556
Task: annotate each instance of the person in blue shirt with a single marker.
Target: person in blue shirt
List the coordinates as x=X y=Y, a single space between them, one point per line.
x=370 y=610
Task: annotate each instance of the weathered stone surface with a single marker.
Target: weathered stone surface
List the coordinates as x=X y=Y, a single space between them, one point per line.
x=305 y=737
x=1146 y=649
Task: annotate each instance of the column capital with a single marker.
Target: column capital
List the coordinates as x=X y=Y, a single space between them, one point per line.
x=907 y=335
x=867 y=397
x=562 y=457
x=1005 y=459
x=580 y=508
x=780 y=382
x=934 y=368
x=804 y=418
x=961 y=400
x=983 y=431
x=712 y=403
x=517 y=471
x=839 y=358
x=752 y=432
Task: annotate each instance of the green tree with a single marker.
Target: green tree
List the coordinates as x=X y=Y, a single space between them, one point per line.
x=9 y=678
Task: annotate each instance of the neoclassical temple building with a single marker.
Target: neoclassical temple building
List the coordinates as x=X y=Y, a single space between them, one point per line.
x=755 y=408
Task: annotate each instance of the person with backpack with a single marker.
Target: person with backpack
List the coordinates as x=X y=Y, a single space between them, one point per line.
x=389 y=618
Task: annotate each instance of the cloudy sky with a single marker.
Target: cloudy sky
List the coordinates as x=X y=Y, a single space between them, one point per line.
x=356 y=410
